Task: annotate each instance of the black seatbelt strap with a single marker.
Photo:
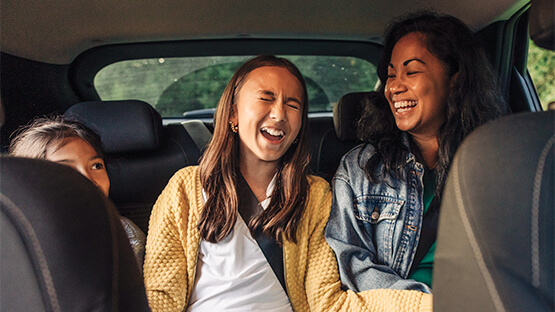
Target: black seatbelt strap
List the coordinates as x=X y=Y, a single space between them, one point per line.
x=428 y=234
x=250 y=208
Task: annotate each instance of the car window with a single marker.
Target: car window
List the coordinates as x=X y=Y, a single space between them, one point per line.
x=192 y=86
x=541 y=66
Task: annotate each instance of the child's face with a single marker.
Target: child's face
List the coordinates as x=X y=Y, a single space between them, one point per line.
x=269 y=113
x=82 y=157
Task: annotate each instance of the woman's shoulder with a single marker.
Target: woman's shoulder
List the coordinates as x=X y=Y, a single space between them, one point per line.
x=317 y=183
x=184 y=176
x=319 y=194
x=355 y=158
x=319 y=188
x=186 y=172
x=360 y=152
x=184 y=186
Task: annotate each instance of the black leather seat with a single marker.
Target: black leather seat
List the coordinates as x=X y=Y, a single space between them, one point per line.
x=62 y=245
x=142 y=153
x=320 y=128
x=333 y=143
x=496 y=233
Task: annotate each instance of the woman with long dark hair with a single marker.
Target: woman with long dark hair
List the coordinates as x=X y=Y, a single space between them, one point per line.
x=436 y=87
x=207 y=247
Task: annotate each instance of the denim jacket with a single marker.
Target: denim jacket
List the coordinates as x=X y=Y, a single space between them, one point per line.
x=374 y=228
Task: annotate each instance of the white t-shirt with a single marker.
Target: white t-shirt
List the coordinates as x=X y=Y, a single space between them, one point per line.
x=234 y=275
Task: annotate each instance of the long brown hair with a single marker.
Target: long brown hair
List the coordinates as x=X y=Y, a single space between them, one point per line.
x=219 y=169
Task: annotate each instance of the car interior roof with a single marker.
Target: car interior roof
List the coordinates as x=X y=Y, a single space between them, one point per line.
x=56 y=34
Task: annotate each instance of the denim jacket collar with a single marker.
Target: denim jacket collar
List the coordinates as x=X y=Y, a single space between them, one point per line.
x=411 y=158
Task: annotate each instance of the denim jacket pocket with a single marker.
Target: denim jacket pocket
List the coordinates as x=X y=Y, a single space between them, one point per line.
x=375 y=209
x=379 y=216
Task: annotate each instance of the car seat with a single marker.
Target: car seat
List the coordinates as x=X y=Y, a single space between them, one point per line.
x=142 y=154
x=337 y=141
x=62 y=245
x=495 y=248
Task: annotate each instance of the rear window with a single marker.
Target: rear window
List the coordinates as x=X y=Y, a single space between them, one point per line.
x=192 y=86
x=541 y=66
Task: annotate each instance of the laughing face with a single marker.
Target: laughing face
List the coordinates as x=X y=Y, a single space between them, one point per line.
x=417 y=87
x=268 y=113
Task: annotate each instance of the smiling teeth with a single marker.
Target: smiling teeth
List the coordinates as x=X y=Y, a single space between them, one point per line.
x=405 y=104
x=273 y=132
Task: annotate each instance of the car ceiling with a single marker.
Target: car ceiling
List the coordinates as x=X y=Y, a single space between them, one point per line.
x=58 y=31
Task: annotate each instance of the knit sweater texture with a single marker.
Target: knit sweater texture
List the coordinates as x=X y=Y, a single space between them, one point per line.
x=311 y=272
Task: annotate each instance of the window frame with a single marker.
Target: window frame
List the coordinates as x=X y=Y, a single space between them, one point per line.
x=328 y=78
x=83 y=70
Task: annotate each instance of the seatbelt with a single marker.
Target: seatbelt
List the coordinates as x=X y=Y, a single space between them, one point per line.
x=198 y=132
x=249 y=208
x=428 y=234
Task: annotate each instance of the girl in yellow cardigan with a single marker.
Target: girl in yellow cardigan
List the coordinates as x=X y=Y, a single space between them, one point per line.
x=210 y=228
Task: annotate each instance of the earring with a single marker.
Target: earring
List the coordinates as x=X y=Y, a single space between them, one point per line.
x=296 y=141
x=234 y=128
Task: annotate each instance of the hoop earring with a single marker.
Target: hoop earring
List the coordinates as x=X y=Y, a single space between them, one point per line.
x=234 y=128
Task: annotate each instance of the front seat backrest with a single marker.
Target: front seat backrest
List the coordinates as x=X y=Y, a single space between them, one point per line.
x=62 y=245
x=496 y=232
x=142 y=153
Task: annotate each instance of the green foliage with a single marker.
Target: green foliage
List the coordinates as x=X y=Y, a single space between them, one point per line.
x=197 y=90
x=541 y=65
x=336 y=75
x=178 y=85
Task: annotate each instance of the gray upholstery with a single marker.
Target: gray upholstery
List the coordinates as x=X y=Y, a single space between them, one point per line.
x=496 y=243
x=62 y=245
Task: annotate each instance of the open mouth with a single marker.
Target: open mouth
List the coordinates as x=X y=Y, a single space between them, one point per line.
x=272 y=134
x=403 y=106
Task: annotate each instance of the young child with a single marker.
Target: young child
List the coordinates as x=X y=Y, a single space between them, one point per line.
x=205 y=249
x=70 y=143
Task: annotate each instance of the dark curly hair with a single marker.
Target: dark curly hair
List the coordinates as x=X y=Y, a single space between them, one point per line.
x=474 y=98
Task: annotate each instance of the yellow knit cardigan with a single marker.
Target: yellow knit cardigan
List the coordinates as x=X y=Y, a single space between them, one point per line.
x=311 y=272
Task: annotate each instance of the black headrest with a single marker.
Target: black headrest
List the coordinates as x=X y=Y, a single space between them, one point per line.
x=347 y=112
x=63 y=247
x=123 y=126
x=542 y=23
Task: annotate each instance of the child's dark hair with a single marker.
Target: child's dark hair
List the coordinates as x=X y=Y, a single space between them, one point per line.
x=45 y=135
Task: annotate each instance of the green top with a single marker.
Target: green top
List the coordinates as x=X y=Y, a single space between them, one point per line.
x=423 y=272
